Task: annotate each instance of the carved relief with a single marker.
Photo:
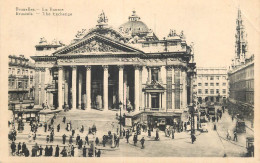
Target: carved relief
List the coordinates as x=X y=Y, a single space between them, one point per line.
x=95 y=46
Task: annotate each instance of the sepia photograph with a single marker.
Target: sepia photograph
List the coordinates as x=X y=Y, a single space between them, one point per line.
x=127 y=79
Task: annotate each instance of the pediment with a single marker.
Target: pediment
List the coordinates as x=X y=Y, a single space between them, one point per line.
x=96 y=43
x=96 y=46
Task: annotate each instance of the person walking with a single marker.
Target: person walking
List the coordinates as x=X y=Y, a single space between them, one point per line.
x=19 y=147
x=117 y=141
x=127 y=137
x=64 y=152
x=23 y=148
x=72 y=151
x=98 y=153
x=235 y=136
x=58 y=128
x=142 y=142
x=64 y=119
x=193 y=138
x=157 y=135
x=84 y=151
x=40 y=149
x=64 y=138
x=86 y=140
x=46 y=150
x=51 y=137
x=97 y=141
x=173 y=131
x=57 y=151
x=13 y=147
x=104 y=141
x=77 y=139
x=135 y=139
x=51 y=150
x=47 y=138
x=80 y=144
x=72 y=132
x=70 y=140
x=45 y=127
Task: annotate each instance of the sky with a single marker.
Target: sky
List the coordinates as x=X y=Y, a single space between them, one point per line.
x=210 y=24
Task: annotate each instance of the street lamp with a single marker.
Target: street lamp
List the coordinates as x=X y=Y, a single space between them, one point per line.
x=120 y=106
x=191 y=110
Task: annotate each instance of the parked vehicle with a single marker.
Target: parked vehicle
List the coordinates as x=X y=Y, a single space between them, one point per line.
x=250 y=146
x=204 y=127
x=240 y=126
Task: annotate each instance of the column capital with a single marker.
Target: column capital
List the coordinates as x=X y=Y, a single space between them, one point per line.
x=120 y=67
x=73 y=67
x=105 y=67
x=137 y=67
x=60 y=67
x=169 y=67
x=42 y=69
x=88 y=67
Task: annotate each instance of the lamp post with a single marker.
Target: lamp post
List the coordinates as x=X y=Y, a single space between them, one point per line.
x=191 y=110
x=120 y=106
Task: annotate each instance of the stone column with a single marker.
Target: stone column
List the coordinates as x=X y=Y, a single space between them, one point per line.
x=121 y=83
x=173 y=88
x=43 y=100
x=74 y=87
x=66 y=86
x=191 y=88
x=169 y=87
x=140 y=87
x=60 y=94
x=105 y=88
x=137 y=88
x=36 y=85
x=88 y=87
x=149 y=74
x=184 y=88
x=80 y=88
x=160 y=101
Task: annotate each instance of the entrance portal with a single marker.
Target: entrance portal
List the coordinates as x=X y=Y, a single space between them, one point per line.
x=155 y=100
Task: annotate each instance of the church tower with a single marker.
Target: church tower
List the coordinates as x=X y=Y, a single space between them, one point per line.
x=241 y=43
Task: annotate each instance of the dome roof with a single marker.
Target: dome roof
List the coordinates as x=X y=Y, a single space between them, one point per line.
x=134 y=26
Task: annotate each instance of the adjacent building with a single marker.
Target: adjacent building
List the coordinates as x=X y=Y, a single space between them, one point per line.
x=20 y=79
x=105 y=66
x=241 y=74
x=212 y=84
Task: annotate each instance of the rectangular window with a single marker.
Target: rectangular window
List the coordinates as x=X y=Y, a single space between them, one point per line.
x=217 y=84
x=217 y=77
x=224 y=77
x=19 y=84
x=9 y=71
x=224 y=84
x=211 y=84
x=206 y=91
x=211 y=91
x=154 y=73
x=217 y=91
x=199 y=84
x=224 y=91
x=199 y=91
x=211 y=78
x=206 y=84
x=18 y=71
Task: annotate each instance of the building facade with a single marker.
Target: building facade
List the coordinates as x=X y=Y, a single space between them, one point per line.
x=104 y=66
x=241 y=75
x=20 y=79
x=212 y=84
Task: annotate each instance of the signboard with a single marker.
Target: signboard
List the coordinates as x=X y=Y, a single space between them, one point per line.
x=185 y=116
x=128 y=122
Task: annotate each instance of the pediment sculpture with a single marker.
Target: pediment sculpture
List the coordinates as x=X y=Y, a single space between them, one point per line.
x=96 y=46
